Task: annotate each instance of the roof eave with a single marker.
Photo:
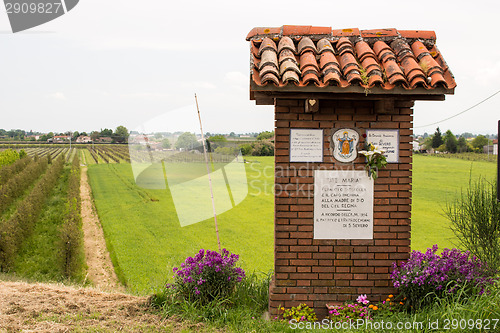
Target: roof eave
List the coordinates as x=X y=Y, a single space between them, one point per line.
x=265 y=94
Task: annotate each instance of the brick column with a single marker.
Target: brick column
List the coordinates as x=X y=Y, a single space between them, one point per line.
x=317 y=272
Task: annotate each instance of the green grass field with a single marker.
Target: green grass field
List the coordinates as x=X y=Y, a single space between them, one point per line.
x=146 y=240
x=437 y=181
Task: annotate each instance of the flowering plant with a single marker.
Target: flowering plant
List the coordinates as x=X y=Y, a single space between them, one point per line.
x=388 y=307
x=428 y=275
x=375 y=159
x=206 y=276
x=299 y=313
x=348 y=312
x=362 y=299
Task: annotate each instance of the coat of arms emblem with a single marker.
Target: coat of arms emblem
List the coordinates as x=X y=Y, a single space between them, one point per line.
x=345 y=142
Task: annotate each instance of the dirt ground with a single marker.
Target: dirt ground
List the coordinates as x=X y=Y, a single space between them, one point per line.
x=100 y=268
x=39 y=307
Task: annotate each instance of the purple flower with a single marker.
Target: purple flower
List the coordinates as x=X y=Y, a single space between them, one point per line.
x=208 y=269
x=430 y=272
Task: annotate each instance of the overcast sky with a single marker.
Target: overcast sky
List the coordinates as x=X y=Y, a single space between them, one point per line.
x=123 y=62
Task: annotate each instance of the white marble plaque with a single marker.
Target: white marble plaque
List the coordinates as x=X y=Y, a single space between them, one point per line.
x=306 y=145
x=387 y=140
x=343 y=204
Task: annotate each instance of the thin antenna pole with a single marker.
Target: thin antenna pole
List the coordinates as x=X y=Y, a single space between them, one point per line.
x=208 y=172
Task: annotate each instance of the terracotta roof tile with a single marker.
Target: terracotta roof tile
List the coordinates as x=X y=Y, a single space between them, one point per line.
x=304 y=30
x=290 y=76
x=268 y=59
x=267 y=44
x=308 y=59
x=345 y=32
x=289 y=65
x=285 y=55
x=377 y=33
x=363 y=50
x=311 y=76
x=322 y=57
x=324 y=45
x=286 y=43
x=417 y=34
x=328 y=58
x=306 y=44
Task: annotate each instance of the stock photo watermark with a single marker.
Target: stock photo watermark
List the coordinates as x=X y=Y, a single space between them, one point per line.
x=384 y=325
x=26 y=14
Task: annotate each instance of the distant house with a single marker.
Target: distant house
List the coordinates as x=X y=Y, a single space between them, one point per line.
x=491 y=149
x=105 y=139
x=83 y=139
x=60 y=138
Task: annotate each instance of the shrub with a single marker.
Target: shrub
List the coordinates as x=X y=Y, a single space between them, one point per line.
x=263 y=148
x=8 y=171
x=475 y=220
x=207 y=276
x=265 y=135
x=426 y=276
x=246 y=148
x=299 y=313
x=231 y=151
x=8 y=156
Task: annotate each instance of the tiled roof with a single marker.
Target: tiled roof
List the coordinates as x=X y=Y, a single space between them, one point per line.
x=321 y=57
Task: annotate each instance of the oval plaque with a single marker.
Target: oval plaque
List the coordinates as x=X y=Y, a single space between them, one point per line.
x=345 y=143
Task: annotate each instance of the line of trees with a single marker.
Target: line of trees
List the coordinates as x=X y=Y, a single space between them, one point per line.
x=263 y=146
x=71 y=231
x=119 y=135
x=20 y=226
x=450 y=143
x=8 y=171
x=17 y=185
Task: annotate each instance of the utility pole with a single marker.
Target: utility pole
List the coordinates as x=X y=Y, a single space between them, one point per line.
x=498 y=162
x=208 y=173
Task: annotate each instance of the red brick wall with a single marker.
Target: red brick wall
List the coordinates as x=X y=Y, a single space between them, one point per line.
x=317 y=272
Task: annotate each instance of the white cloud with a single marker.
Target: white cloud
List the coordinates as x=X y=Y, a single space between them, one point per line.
x=58 y=96
x=198 y=84
x=237 y=78
x=145 y=95
x=489 y=74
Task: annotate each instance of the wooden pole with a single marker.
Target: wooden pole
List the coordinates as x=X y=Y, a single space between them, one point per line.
x=498 y=162
x=208 y=173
